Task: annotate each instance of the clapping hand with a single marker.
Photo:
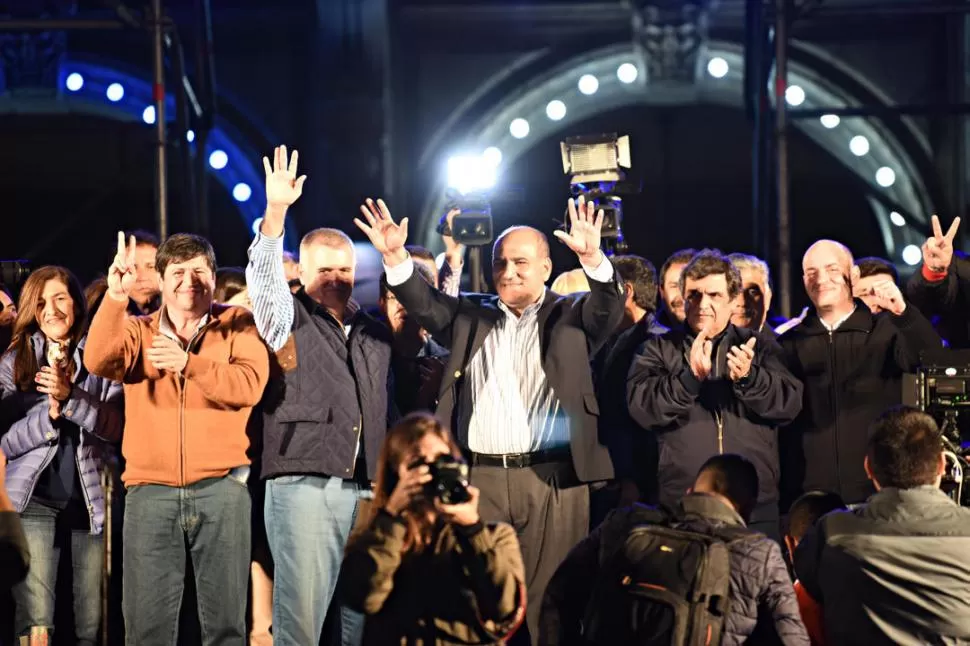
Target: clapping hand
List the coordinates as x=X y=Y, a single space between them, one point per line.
x=166 y=355
x=53 y=381
x=739 y=359
x=584 y=231
x=700 y=355
x=938 y=249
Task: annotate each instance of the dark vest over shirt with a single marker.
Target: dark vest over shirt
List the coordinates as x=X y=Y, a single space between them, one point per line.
x=326 y=394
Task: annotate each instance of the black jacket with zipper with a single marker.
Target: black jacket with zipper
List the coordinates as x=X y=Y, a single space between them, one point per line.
x=695 y=419
x=851 y=376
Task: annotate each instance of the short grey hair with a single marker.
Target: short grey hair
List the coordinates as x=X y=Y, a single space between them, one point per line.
x=745 y=261
x=329 y=238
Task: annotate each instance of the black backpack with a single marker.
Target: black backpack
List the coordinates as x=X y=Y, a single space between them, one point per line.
x=659 y=584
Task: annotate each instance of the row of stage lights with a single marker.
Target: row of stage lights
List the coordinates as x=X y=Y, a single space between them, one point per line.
x=218 y=159
x=718 y=68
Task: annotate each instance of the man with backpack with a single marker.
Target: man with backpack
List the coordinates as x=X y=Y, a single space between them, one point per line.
x=695 y=575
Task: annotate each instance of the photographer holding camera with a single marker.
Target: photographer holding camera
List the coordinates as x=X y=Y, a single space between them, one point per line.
x=423 y=566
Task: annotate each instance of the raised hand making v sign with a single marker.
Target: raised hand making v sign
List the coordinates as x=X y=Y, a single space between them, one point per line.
x=938 y=248
x=121 y=274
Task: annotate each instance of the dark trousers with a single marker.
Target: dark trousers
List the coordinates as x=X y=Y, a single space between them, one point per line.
x=548 y=507
x=211 y=519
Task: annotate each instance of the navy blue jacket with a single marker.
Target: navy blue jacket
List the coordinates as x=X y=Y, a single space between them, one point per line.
x=328 y=391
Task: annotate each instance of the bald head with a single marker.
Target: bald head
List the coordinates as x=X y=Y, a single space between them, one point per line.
x=523 y=234
x=827 y=250
x=828 y=273
x=520 y=267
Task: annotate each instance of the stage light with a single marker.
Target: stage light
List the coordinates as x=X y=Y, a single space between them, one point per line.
x=470 y=173
x=115 y=92
x=556 y=110
x=256 y=224
x=241 y=192
x=627 y=73
x=912 y=255
x=885 y=177
x=218 y=159
x=519 y=128
x=588 y=84
x=492 y=156
x=148 y=114
x=794 y=95
x=74 y=82
x=859 y=145
x=717 y=67
x=897 y=218
x=190 y=136
x=830 y=120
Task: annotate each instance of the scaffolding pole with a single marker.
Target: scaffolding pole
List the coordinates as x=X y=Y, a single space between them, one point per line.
x=161 y=141
x=781 y=152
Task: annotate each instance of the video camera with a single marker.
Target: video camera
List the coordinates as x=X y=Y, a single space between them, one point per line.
x=942 y=389
x=595 y=164
x=14 y=272
x=473 y=225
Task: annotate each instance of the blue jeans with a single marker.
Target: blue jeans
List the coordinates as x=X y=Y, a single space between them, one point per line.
x=211 y=519
x=308 y=521
x=50 y=534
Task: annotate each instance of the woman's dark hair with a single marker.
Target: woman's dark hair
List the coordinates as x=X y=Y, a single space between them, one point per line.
x=25 y=362
x=398 y=444
x=229 y=282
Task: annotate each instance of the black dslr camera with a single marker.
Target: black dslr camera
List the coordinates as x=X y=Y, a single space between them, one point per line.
x=449 y=480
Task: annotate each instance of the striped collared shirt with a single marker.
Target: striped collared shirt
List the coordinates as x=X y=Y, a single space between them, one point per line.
x=509 y=405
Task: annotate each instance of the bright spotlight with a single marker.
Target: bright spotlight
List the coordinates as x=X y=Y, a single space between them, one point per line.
x=556 y=110
x=885 y=177
x=241 y=192
x=897 y=218
x=115 y=92
x=588 y=84
x=717 y=67
x=794 y=95
x=492 y=156
x=519 y=128
x=148 y=114
x=830 y=120
x=256 y=224
x=218 y=159
x=190 y=136
x=627 y=73
x=912 y=255
x=469 y=173
x=74 y=82
x=859 y=145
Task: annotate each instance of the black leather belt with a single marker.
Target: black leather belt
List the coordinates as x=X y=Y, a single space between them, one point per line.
x=518 y=460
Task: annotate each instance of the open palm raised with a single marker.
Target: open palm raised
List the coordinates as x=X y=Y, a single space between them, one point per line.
x=386 y=236
x=283 y=187
x=584 y=230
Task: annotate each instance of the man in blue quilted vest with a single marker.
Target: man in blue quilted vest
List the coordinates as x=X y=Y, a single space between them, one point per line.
x=326 y=409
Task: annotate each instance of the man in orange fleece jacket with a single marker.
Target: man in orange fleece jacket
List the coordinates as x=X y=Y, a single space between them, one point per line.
x=192 y=372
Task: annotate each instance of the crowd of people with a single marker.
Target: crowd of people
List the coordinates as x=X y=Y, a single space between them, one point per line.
x=460 y=468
